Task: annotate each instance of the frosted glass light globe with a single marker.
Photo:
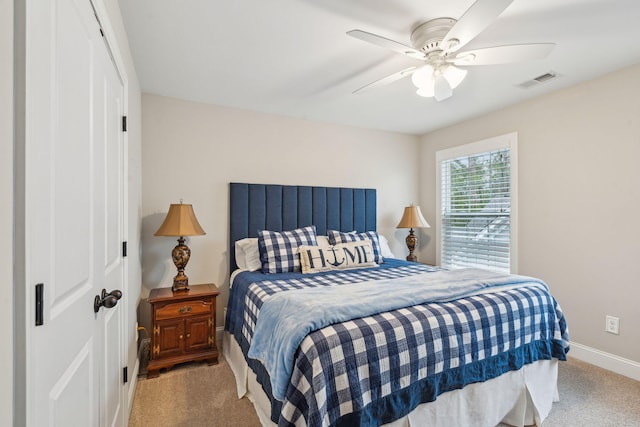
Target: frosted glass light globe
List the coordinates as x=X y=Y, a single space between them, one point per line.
x=454 y=75
x=423 y=77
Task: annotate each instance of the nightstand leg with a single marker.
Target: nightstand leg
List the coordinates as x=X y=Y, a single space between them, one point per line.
x=213 y=361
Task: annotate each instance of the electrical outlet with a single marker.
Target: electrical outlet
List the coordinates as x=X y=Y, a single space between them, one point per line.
x=612 y=325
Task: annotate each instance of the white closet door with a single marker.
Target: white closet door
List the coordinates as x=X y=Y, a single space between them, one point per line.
x=74 y=215
x=108 y=102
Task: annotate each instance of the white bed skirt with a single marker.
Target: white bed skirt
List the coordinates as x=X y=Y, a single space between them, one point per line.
x=517 y=398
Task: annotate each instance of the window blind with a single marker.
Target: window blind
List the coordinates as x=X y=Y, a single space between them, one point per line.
x=476 y=211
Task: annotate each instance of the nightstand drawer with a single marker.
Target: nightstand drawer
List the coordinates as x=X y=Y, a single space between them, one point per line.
x=182 y=309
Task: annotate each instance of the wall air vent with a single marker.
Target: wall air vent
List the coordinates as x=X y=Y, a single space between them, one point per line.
x=538 y=80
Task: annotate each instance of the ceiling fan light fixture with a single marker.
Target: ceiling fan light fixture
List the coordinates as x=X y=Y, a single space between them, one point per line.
x=427 y=91
x=454 y=76
x=423 y=76
x=442 y=89
x=425 y=79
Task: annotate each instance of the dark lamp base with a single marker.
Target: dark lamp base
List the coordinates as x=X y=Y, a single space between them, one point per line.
x=411 y=245
x=180 y=255
x=180 y=283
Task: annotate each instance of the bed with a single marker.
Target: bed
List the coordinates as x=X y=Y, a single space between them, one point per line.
x=389 y=343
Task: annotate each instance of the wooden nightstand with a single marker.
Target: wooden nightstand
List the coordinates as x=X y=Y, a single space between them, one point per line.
x=183 y=327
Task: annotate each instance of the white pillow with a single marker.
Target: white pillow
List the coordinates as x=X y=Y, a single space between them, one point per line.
x=248 y=254
x=384 y=247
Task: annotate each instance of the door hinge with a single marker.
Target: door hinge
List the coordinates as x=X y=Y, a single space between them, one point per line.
x=124 y=249
x=125 y=374
x=39 y=304
x=156 y=349
x=124 y=123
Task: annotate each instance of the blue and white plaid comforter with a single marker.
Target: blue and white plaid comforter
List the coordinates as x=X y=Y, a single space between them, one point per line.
x=375 y=369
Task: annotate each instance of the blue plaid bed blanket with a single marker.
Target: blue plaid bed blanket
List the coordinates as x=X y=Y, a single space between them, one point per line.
x=374 y=369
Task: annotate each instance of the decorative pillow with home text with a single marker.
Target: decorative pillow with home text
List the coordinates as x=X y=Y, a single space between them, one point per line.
x=314 y=259
x=336 y=237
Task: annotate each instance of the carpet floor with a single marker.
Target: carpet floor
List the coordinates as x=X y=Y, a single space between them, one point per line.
x=197 y=395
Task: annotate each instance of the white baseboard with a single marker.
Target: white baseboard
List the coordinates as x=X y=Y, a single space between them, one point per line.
x=133 y=382
x=219 y=332
x=604 y=360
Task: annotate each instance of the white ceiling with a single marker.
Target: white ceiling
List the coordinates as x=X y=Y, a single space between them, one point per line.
x=292 y=57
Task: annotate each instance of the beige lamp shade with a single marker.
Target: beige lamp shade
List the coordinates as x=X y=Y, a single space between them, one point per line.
x=180 y=221
x=412 y=218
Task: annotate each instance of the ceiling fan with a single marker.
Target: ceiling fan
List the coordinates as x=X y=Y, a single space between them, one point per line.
x=437 y=44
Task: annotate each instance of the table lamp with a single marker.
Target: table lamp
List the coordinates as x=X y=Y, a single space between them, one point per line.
x=412 y=218
x=180 y=221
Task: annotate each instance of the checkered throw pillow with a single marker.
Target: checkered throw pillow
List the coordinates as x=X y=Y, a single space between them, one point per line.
x=336 y=237
x=279 y=249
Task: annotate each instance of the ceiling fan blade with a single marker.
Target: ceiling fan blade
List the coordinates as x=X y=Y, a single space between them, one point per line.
x=478 y=17
x=442 y=89
x=386 y=43
x=387 y=80
x=504 y=54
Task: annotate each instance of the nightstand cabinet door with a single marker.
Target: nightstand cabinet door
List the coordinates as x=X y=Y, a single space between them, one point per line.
x=183 y=327
x=199 y=334
x=169 y=338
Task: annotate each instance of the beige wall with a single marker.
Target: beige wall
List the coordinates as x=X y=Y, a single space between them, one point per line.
x=192 y=151
x=579 y=198
x=6 y=208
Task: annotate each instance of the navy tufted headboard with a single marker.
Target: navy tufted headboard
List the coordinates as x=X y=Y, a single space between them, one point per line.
x=254 y=207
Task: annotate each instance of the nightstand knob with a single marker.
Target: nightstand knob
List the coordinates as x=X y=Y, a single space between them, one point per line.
x=188 y=335
x=181 y=337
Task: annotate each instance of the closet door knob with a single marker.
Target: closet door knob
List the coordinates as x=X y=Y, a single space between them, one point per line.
x=106 y=300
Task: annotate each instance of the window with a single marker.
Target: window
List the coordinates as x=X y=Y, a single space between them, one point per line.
x=477 y=201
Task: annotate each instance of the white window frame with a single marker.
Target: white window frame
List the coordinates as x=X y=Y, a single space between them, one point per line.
x=509 y=141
